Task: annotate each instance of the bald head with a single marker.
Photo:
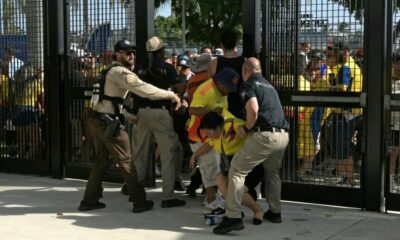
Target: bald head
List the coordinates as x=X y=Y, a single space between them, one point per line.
x=250 y=66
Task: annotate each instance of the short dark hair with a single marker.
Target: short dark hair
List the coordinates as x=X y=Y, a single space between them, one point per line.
x=211 y=120
x=10 y=50
x=228 y=39
x=305 y=44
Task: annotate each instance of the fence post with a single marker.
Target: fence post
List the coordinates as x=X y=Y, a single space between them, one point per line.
x=144 y=27
x=251 y=15
x=375 y=74
x=54 y=51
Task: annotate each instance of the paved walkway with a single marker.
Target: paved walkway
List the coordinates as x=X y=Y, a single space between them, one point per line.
x=43 y=208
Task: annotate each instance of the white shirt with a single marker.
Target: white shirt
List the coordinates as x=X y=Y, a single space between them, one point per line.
x=14 y=65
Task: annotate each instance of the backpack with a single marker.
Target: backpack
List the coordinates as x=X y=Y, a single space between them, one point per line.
x=98 y=90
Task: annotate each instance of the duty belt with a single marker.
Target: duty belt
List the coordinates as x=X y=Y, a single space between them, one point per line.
x=270 y=129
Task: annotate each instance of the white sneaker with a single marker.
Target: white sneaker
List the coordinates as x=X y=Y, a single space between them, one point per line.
x=220 y=200
x=211 y=206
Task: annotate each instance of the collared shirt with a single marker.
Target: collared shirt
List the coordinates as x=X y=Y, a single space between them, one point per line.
x=120 y=80
x=207 y=96
x=270 y=112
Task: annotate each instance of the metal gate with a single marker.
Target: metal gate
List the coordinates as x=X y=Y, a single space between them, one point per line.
x=22 y=88
x=392 y=190
x=315 y=60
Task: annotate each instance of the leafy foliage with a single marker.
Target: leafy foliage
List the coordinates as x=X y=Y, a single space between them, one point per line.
x=355 y=7
x=167 y=28
x=205 y=19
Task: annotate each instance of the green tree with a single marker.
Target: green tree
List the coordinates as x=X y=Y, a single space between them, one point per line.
x=355 y=7
x=167 y=28
x=205 y=19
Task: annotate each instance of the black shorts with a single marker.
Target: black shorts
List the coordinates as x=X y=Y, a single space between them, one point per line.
x=341 y=133
x=395 y=137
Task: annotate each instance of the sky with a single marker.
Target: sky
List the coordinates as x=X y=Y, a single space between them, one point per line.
x=164 y=10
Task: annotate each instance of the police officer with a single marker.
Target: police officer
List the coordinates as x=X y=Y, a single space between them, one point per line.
x=155 y=122
x=267 y=131
x=119 y=80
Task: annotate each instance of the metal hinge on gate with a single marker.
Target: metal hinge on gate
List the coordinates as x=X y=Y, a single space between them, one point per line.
x=390 y=103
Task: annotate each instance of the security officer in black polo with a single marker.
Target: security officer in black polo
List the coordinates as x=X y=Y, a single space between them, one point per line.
x=155 y=122
x=266 y=133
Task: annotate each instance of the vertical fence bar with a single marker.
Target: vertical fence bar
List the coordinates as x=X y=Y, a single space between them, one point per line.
x=55 y=50
x=145 y=16
x=375 y=46
x=251 y=28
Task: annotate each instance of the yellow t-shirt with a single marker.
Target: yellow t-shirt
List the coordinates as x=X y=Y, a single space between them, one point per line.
x=342 y=73
x=30 y=93
x=231 y=142
x=306 y=144
x=4 y=90
x=207 y=96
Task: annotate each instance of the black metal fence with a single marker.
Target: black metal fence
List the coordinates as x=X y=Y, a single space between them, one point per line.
x=314 y=57
x=22 y=107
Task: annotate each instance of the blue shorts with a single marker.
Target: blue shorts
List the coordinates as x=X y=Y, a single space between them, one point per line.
x=25 y=115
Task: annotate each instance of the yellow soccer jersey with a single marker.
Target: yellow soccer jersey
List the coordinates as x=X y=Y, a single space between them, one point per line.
x=231 y=142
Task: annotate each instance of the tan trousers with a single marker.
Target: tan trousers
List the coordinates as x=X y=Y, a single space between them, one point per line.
x=261 y=147
x=157 y=124
x=108 y=151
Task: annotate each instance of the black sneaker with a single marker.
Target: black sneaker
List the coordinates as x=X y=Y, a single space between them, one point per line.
x=124 y=189
x=229 y=224
x=217 y=211
x=191 y=192
x=178 y=186
x=85 y=206
x=172 y=203
x=272 y=217
x=142 y=207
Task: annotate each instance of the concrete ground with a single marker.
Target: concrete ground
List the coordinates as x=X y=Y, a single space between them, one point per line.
x=44 y=208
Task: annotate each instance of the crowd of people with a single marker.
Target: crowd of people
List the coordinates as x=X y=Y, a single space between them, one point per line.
x=231 y=120
x=329 y=131
x=219 y=104
x=215 y=110
x=21 y=106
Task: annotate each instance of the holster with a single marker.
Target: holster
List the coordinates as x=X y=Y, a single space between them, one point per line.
x=112 y=124
x=112 y=128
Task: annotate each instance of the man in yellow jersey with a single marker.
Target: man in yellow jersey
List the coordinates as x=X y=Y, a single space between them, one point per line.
x=210 y=96
x=347 y=77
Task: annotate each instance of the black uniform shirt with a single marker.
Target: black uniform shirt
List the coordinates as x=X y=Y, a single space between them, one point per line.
x=270 y=112
x=161 y=75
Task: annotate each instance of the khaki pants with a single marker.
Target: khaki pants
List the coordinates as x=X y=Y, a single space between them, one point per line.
x=116 y=150
x=261 y=147
x=157 y=123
